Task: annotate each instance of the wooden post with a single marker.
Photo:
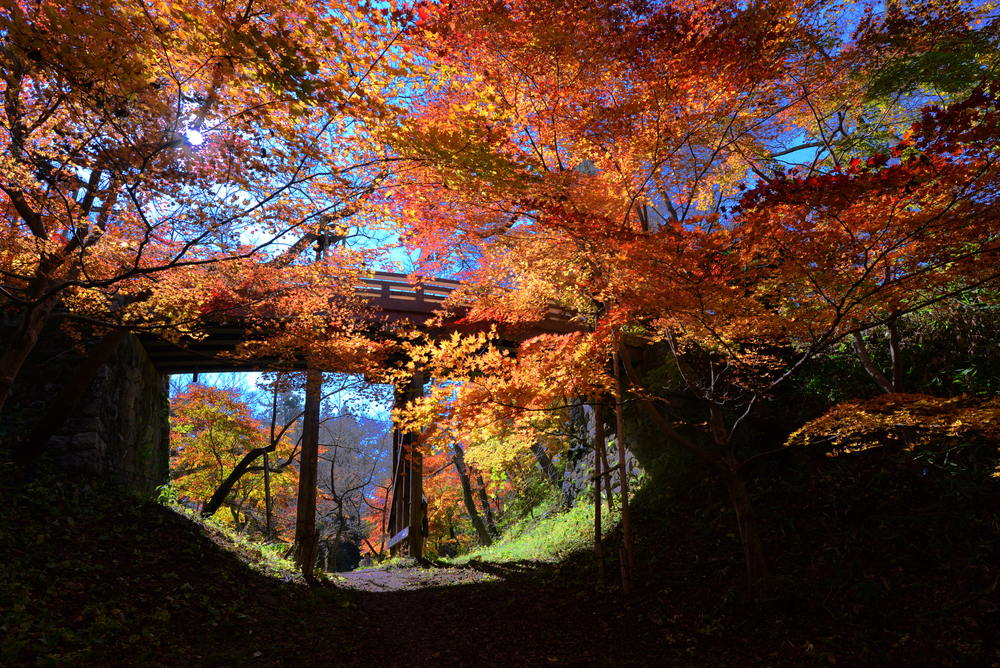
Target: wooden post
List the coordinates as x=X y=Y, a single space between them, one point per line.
x=305 y=512
x=407 y=485
x=628 y=583
x=391 y=495
x=400 y=510
x=416 y=479
x=395 y=494
x=267 y=498
x=416 y=507
x=598 y=446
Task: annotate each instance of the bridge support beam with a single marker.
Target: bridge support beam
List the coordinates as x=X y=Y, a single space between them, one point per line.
x=416 y=515
x=404 y=513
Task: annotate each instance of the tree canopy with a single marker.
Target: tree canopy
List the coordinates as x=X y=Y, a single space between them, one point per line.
x=747 y=183
x=157 y=152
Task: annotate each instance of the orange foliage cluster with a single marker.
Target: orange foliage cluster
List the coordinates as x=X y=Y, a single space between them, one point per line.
x=210 y=432
x=925 y=416
x=156 y=154
x=622 y=164
x=628 y=164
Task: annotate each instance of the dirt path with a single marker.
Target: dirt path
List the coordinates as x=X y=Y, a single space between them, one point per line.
x=409 y=579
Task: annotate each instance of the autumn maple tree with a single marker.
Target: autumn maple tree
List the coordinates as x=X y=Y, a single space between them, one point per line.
x=211 y=432
x=376 y=505
x=629 y=164
x=560 y=151
x=149 y=143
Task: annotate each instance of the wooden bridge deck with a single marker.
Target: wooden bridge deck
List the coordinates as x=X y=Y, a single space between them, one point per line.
x=396 y=299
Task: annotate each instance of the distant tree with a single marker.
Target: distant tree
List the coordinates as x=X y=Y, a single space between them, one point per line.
x=465 y=483
x=355 y=452
x=375 y=515
x=212 y=431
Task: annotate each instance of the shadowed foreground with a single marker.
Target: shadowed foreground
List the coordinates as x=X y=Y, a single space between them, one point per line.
x=103 y=580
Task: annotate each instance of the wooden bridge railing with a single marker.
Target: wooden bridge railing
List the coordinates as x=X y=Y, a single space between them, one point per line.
x=385 y=285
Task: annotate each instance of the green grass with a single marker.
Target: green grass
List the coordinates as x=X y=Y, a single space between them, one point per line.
x=549 y=534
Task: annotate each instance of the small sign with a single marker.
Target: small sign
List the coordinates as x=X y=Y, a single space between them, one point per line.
x=398 y=537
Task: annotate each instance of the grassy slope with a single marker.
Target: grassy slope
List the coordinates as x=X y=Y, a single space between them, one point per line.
x=548 y=534
x=106 y=580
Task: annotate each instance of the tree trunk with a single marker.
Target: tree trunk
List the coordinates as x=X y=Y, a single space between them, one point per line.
x=267 y=499
x=545 y=463
x=470 y=505
x=377 y=553
x=21 y=344
x=909 y=434
x=30 y=452
x=340 y=532
x=729 y=472
x=628 y=577
x=222 y=492
x=869 y=365
x=236 y=519
x=896 y=355
x=385 y=513
x=598 y=444
x=753 y=549
x=306 y=536
x=484 y=501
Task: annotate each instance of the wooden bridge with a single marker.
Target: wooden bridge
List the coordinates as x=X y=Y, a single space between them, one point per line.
x=396 y=299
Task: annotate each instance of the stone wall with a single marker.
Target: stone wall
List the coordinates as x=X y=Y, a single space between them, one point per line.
x=119 y=431
x=579 y=457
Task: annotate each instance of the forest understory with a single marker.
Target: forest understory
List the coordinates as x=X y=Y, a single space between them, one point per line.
x=873 y=565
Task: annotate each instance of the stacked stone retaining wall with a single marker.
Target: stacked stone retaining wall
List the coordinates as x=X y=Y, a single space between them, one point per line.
x=579 y=458
x=120 y=430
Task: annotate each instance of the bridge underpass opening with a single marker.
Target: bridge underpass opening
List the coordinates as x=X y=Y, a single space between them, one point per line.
x=397 y=302
x=356 y=457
